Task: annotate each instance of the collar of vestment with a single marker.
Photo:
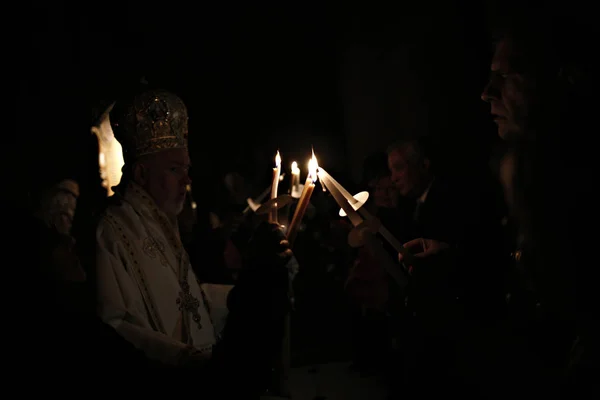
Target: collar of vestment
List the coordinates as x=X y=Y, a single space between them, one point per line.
x=158 y=225
x=145 y=206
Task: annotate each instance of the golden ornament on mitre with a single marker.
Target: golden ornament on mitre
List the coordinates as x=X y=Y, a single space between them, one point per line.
x=156 y=120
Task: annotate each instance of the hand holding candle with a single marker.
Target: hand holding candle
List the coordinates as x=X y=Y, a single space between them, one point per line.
x=367 y=238
x=302 y=205
x=345 y=198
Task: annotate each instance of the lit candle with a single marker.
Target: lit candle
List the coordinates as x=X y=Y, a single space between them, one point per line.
x=275 y=185
x=254 y=204
x=340 y=199
x=188 y=188
x=340 y=188
x=295 y=181
x=368 y=239
x=302 y=205
x=374 y=222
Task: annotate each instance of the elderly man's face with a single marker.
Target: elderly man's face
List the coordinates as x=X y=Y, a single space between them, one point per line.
x=409 y=176
x=62 y=211
x=508 y=92
x=58 y=204
x=165 y=177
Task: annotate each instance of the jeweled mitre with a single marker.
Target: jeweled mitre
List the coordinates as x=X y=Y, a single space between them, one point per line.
x=156 y=120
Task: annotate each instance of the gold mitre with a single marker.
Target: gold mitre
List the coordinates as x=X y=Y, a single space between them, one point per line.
x=156 y=121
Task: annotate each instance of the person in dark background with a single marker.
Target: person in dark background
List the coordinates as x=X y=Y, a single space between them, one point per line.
x=367 y=283
x=551 y=72
x=206 y=245
x=53 y=209
x=214 y=256
x=444 y=294
x=541 y=96
x=75 y=338
x=222 y=229
x=383 y=202
x=236 y=227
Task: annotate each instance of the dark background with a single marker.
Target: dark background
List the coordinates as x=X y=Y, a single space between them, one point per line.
x=346 y=80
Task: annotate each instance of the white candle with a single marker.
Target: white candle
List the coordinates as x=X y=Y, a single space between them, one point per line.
x=295 y=181
x=302 y=205
x=275 y=185
x=387 y=235
x=254 y=204
x=340 y=198
x=341 y=189
x=369 y=240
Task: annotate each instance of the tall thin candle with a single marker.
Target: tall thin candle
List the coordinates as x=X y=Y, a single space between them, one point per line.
x=309 y=187
x=339 y=198
x=275 y=186
x=341 y=189
x=366 y=215
x=372 y=244
x=295 y=181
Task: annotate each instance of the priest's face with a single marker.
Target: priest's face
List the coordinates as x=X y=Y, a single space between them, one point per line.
x=164 y=176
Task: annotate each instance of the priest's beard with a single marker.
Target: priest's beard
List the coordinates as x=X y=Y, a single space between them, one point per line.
x=172 y=209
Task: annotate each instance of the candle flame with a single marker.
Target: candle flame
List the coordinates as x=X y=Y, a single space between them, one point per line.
x=313 y=166
x=294 y=166
x=277 y=159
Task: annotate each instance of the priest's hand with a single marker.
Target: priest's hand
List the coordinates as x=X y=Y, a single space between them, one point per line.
x=258 y=305
x=264 y=280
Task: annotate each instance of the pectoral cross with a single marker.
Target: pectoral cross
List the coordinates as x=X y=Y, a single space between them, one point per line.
x=188 y=303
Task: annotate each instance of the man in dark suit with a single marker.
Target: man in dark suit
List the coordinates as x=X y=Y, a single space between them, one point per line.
x=445 y=293
x=455 y=213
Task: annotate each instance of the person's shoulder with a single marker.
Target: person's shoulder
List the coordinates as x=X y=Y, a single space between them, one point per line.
x=114 y=214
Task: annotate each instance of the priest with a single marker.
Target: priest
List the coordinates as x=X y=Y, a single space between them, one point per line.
x=147 y=289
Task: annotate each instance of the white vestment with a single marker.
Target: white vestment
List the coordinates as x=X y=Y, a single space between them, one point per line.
x=146 y=287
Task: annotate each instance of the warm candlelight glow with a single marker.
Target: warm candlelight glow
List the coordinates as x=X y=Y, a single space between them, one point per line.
x=313 y=166
x=340 y=199
x=295 y=181
x=351 y=206
x=302 y=205
x=277 y=160
x=110 y=153
x=275 y=186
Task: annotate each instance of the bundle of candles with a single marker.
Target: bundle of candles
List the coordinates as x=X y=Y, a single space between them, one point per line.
x=364 y=223
x=363 y=234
